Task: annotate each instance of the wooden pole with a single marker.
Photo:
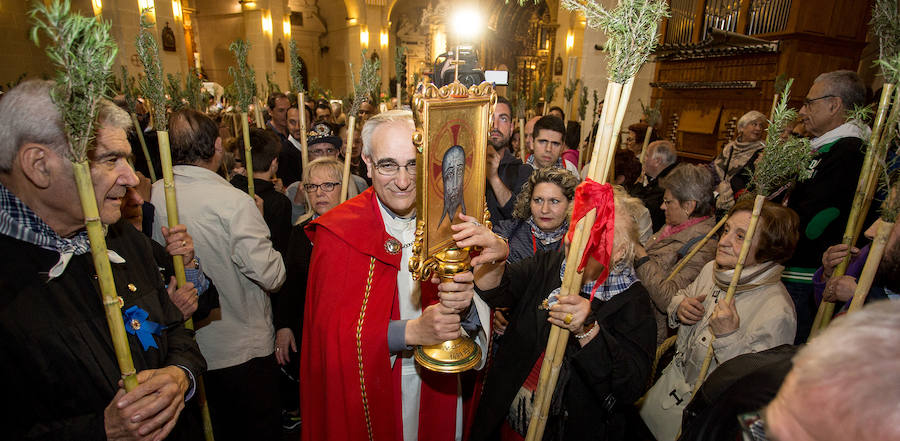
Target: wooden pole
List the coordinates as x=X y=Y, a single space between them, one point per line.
x=345 y=182
x=111 y=306
x=729 y=295
x=697 y=247
x=871 y=267
x=865 y=188
x=617 y=95
x=140 y=135
x=301 y=108
x=775 y=100
x=399 y=94
x=248 y=159
x=257 y=111
x=523 y=151
x=165 y=160
x=647 y=136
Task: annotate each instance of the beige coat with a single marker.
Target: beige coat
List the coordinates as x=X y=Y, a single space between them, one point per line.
x=663 y=258
x=767 y=319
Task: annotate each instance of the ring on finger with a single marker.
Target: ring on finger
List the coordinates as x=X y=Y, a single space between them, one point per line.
x=184 y=243
x=568 y=319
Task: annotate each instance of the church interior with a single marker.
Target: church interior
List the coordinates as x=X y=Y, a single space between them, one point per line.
x=716 y=59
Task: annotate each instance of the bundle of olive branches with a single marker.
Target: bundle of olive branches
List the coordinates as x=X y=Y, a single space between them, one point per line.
x=784 y=160
x=174 y=93
x=245 y=91
x=193 y=90
x=631 y=30
x=152 y=84
x=83 y=52
x=549 y=93
x=128 y=89
x=244 y=77
x=296 y=69
x=569 y=92
x=400 y=70
x=368 y=82
x=582 y=104
x=534 y=97
x=271 y=85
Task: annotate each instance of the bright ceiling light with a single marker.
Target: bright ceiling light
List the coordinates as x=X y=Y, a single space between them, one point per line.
x=467 y=24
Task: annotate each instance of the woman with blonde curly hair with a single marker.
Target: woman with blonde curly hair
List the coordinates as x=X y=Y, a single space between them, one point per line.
x=541 y=214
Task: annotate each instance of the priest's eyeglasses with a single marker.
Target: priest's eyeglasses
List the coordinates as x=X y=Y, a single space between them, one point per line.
x=390 y=168
x=327 y=187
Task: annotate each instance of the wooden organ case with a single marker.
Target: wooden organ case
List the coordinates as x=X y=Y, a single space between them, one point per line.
x=719 y=59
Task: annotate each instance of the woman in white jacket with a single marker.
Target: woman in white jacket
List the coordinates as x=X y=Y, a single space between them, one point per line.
x=761 y=315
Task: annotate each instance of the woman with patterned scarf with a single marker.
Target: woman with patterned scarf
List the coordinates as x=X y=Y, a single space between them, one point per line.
x=607 y=359
x=541 y=215
x=737 y=158
x=761 y=315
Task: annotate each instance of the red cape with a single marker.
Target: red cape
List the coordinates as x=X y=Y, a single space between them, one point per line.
x=349 y=389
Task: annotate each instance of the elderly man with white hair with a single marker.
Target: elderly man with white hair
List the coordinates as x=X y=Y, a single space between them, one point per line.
x=845 y=384
x=659 y=160
x=364 y=312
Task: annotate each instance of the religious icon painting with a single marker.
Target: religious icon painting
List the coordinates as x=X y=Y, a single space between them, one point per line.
x=452 y=125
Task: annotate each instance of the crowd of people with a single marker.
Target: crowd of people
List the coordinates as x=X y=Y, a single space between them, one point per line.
x=307 y=315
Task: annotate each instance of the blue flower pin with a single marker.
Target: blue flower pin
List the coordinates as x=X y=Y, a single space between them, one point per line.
x=136 y=323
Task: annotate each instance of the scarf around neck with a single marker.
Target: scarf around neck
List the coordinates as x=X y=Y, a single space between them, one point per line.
x=547 y=237
x=20 y=222
x=851 y=129
x=751 y=277
x=620 y=278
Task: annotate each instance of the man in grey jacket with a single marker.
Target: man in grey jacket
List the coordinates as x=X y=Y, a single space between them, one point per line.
x=232 y=243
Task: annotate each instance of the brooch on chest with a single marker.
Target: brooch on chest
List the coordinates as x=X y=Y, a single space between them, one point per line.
x=392 y=246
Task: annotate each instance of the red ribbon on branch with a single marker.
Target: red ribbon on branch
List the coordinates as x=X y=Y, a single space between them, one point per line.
x=591 y=195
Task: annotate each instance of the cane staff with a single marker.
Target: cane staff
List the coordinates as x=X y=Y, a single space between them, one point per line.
x=83 y=53
x=783 y=161
x=364 y=89
x=886 y=24
x=245 y=89
x=131 y=103
x=889 y=211
x=632 y=31
x=523 y=154
x=152 y=88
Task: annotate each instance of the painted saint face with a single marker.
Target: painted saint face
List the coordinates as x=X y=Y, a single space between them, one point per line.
x=453 y=170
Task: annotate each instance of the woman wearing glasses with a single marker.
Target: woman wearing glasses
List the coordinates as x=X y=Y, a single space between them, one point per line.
x=321 y=187
x=688 y=206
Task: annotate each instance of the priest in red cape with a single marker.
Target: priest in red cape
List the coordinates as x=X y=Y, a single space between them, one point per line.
x=364 y=313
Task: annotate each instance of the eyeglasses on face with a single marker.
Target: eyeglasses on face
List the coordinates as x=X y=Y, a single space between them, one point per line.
x=808 y=101
x=327 y=187
x=390 y=168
